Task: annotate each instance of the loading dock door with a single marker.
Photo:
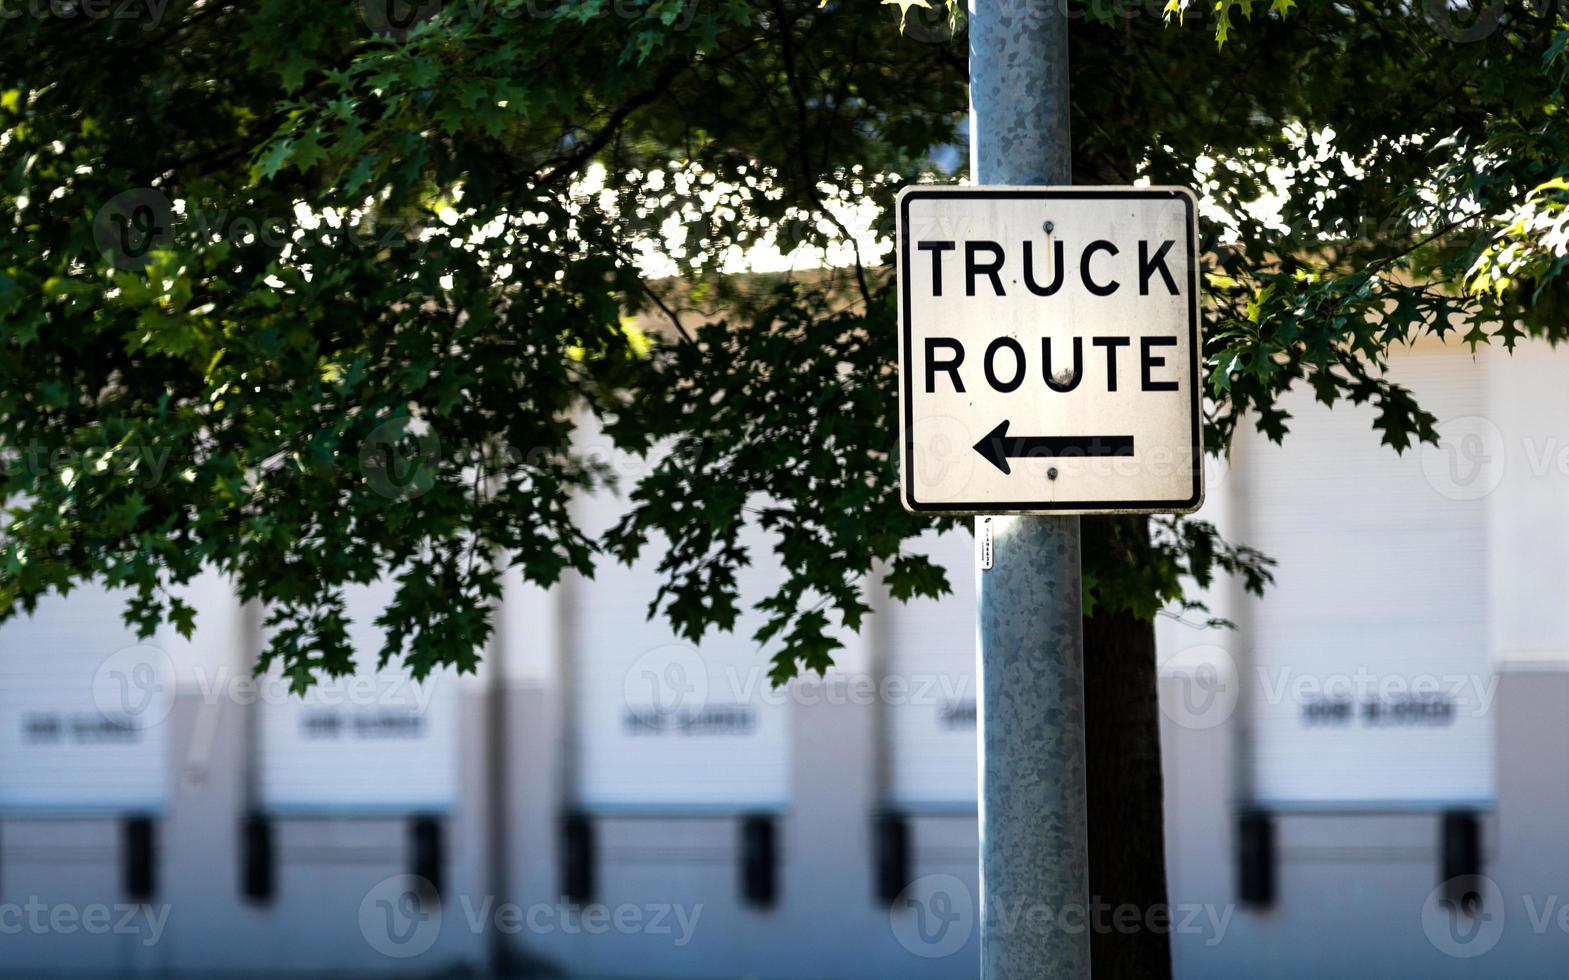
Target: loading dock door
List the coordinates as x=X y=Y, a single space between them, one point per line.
x=928 y=686
x=660 y=722
x=83 y=710
x=1368 y=675
x=377 y=741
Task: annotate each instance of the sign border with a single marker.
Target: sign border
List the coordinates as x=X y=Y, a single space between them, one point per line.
x=906 y=402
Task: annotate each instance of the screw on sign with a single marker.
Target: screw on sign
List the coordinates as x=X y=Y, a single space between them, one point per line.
x=1059 y=327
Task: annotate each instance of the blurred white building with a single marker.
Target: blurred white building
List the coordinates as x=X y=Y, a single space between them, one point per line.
x=1367 y=778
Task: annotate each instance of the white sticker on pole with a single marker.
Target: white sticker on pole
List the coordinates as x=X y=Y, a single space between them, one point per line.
x=1049 y=350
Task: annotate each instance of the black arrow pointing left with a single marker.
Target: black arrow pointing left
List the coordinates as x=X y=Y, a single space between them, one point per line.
x=998 y=447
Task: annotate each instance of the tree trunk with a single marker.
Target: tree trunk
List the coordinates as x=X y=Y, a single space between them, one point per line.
x=1122 y=746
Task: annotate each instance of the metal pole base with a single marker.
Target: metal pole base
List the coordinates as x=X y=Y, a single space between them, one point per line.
x=1034 y=809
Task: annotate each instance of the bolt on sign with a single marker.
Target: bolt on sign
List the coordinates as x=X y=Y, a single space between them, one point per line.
x=1049 y=350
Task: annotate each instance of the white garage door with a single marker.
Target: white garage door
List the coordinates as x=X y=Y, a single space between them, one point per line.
x=661 y=723
x=929 y=685
x=376 y=741
x=1369 y=677
x=83 y=709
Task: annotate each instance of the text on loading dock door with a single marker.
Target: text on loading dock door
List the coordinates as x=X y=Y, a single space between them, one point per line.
x=1049 y=349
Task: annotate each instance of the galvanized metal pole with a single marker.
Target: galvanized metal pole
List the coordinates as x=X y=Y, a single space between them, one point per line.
x=1035 y=916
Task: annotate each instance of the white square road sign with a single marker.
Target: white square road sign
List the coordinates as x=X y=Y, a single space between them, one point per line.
x=1049 y=350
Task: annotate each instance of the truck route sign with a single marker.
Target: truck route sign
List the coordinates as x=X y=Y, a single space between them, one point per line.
x=1049 y=350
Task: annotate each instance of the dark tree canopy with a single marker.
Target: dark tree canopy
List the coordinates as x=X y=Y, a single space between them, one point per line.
x=314 y=293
